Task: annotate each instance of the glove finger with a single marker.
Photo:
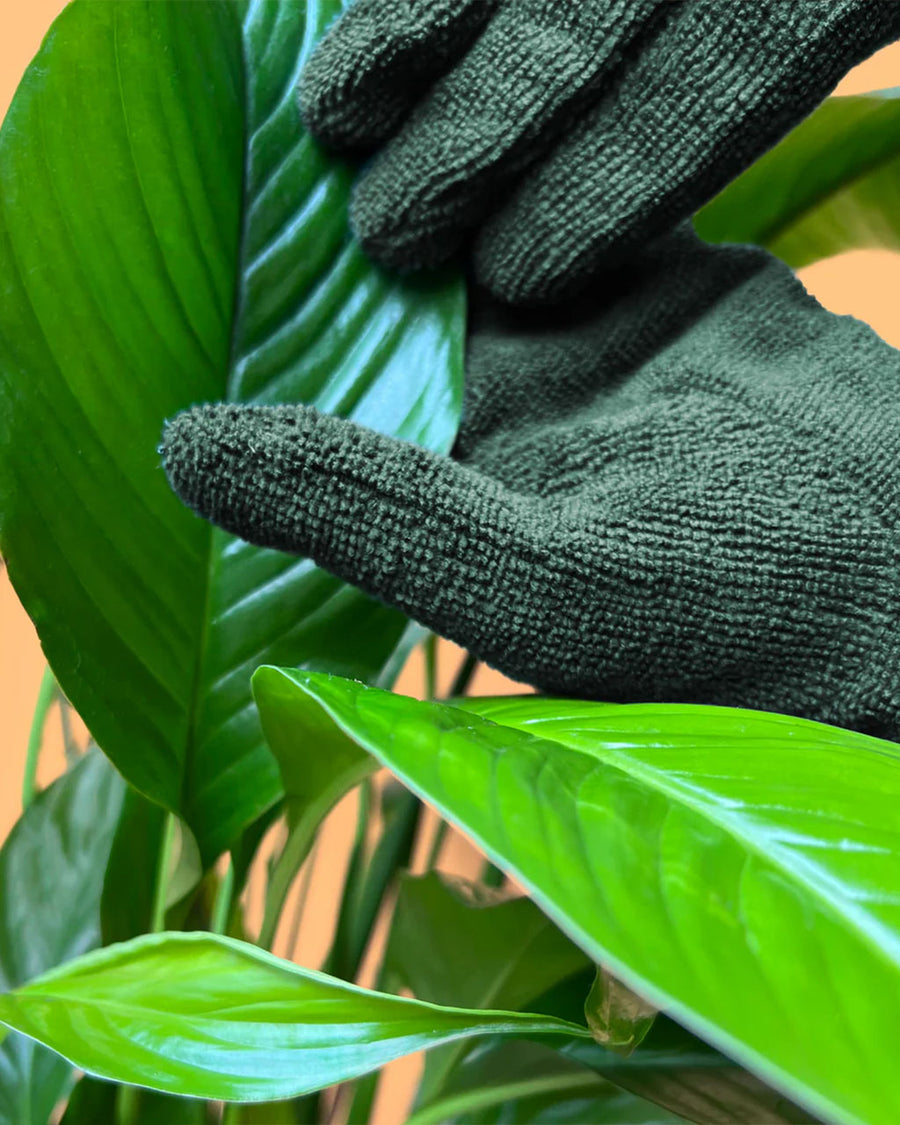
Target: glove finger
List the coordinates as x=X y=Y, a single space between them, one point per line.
x=377 y=60
x=531 y=71
x=723 y=85
x=421 y=532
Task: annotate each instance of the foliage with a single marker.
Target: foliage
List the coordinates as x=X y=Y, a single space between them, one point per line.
x=709 y=930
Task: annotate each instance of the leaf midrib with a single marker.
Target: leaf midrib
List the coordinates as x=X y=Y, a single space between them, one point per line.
x=194 y=702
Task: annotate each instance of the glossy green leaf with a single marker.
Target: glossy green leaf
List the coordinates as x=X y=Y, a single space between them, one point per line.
x=51 y=874
x=831 y=185
x=739 y=870
x=168 y=235
x=211 y=1017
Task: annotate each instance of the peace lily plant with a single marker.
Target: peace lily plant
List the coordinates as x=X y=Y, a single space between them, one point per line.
x=710 y=927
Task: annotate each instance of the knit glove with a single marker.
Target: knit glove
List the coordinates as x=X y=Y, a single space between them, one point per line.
x=682 y=489
x=565 y=131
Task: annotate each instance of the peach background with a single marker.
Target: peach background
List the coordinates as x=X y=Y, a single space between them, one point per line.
x=865 y=284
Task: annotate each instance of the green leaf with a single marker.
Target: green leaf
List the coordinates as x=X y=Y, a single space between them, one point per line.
x=51 y=874
x=831 y=185
x=452 y=942
x=523 y=1083
x=126 y=907
x=170 y=235
x=93 y=1102
x=739 y=870
x=211 y=1017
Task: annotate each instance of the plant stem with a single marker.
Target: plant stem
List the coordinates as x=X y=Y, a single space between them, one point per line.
x=430 y=648
x=463 y=677
x=491 y=875
x=221 y=911
x=127 y=1105
x=70 y=745
x=437 y=843
x=161 y=891
x=46 y=696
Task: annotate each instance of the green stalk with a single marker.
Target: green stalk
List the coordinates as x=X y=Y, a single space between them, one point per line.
x=463 y=677
x=161 y=891
x=429 y=647
x=491 y=875
x=436 y=844
x=46 y=696
x=127 y=1105
x=221 y=912
x=70 y=746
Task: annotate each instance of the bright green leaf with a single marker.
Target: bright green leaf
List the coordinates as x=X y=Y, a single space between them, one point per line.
x=51 y=874
x=211 y=1017
x=169 y=235
x=739 y=870
x=831 y=185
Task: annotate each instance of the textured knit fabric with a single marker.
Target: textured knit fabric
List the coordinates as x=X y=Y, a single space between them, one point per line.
x=565 y=131
x=682 y=489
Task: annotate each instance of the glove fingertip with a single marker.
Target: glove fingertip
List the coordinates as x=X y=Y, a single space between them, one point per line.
x=396 y=228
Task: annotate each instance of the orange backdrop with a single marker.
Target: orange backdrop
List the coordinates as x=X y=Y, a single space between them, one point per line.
x=864 y=283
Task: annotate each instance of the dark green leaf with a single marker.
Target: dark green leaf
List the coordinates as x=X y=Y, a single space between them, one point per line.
x=831 y=185
x=168 y=235
x=95 y=1103
x=51 y=873
x=739 y=870
x=449 y=944
x=525 y=1083
x=126 y=908
x=452 y=942
x=211 y=1017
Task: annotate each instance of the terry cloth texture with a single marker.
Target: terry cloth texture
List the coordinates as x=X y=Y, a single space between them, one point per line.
x=682 y=489
x=565 y=131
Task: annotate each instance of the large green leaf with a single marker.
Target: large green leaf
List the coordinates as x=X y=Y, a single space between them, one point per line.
x=739 y=870
x=51 y=874
x=833 y=184
x=211 y=1017
x=168 y=235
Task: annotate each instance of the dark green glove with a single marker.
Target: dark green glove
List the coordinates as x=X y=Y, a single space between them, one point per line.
x=684 y=489
x=566 y=130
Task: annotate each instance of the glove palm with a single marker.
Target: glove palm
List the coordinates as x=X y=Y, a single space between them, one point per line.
x=681 y=489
